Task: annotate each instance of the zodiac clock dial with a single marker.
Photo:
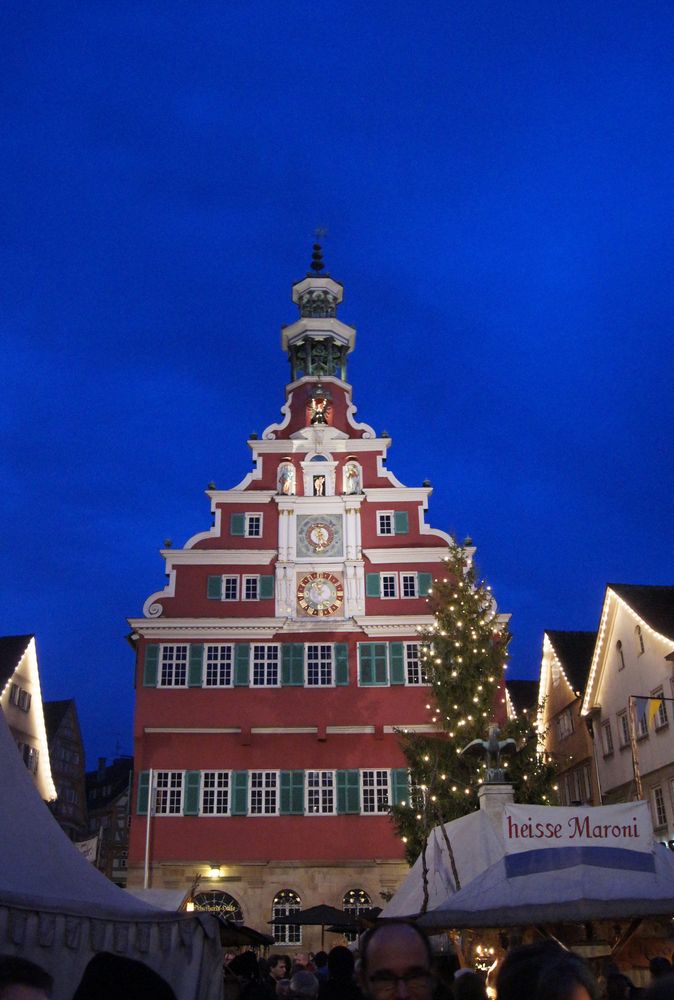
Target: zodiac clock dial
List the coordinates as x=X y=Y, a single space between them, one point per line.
x=320 y=594
x=319 y=535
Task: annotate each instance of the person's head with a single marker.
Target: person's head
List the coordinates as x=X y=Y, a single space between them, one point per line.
x=340 y=963
x=618 y=987
x=279 y=966
x=304 y=984
x=321 y=959
x=662 y=989
x=545 y=971
x=300 y=960
x=109 y=976
x=469 y=985
x=23 y=980
x=659 y=967
x=245 y=965
x=396 y=962
x=282 y=988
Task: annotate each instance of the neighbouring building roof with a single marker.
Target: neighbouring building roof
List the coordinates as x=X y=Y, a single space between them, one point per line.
x=107 y=782
x=574 y=651
x=654 y=604
x=54 y=712
x=523 y=695
x=12 y=648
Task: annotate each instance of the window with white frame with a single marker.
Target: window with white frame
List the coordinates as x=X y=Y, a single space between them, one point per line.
x=319 y=664
x=253 y=526
x=215 y=793
x=285 y=903
x=263 y=793
x=230 y=588
x=20 y=697
x=661 y=714
x=414 y=671
x=251 y=588
x=31 y=756
x=265 y=666
x=623 y=729
x=219 y=661
x=659 y=810
x=389 y=585
x=565 y=724
x=173 y=666
x=408 y=585
x=320 y=792
x=375 y=791
x=168 y=796
x=354 y=902
x=385 y=522
x=606 y=738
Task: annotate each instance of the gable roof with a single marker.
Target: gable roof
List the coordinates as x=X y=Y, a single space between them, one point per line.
x=523 y=695
x=12 y=648
x=574 y=650
x=54 y=713
x=654 y=604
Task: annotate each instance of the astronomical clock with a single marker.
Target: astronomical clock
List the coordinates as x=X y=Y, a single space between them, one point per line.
x=319 y=594
x=319 y=535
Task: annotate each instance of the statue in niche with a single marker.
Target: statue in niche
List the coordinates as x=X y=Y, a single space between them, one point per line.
x=351 y=478
x=319 y=486
x=319 y=407
x=286 y=479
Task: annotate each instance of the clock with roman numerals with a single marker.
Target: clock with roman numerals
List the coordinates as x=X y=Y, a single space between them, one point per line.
x=320 y=594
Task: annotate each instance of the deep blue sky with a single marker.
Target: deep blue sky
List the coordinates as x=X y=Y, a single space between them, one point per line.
x=497 y=182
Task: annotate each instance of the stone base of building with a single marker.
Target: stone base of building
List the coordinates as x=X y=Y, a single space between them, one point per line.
x=254 y=887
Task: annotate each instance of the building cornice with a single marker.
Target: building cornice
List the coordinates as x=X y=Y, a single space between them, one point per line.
x=249 y=628
x=218 y=557
x=407 y=555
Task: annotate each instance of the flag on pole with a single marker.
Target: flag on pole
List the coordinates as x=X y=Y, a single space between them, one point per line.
x=648 y=708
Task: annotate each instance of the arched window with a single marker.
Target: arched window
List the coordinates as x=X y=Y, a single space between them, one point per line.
x=221 y=903
x=638 y=635
x=353 y=902
x=286 y=902
x=621 y=655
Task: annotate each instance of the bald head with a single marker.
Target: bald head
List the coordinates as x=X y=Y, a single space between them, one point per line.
x=396 y=963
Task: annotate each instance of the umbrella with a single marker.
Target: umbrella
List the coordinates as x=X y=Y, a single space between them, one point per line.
x=320 y=916
x=236 y=935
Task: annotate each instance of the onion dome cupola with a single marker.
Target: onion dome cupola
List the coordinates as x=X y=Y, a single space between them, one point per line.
x=318 y=343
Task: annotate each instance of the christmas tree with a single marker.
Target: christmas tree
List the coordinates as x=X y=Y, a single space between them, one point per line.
x=463 y=656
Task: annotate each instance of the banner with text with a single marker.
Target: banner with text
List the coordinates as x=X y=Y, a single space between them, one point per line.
x=546 y=838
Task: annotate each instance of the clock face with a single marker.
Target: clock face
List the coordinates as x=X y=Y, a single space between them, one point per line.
x=320 y=594
x=319 y=535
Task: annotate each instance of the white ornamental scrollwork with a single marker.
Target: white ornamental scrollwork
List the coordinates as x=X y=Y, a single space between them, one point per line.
x=154 y=611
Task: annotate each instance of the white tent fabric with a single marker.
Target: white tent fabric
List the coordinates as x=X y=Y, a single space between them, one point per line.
x=583 y=892
x=476 y=844
x=58 y=910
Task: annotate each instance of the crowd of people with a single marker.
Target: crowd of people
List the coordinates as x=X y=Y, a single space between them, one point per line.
x=394 y=962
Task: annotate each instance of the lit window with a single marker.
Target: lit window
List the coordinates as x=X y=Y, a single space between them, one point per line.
x=253 y=526
x=354 y=902
x=219 y=666
x=230 y=588
x=408 y=584
x=320 y=792
x=286 y=902
x=389 y=585
x=263 y=793
x=375 y=791
x=169 y=793
x=385 y=523
x=265 y=666
x=173 y=666
x=319 y=665
x=215 y=793
x=251 y=588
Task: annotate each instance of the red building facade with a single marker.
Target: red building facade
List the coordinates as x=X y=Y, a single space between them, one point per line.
x=276 y=666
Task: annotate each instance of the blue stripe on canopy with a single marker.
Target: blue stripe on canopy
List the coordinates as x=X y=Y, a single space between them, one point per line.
x=557 y=858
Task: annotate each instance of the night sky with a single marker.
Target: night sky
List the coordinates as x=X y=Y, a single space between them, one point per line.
x=496 y=180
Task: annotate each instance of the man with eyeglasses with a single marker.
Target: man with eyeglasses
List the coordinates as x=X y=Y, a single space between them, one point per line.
x=395 y=962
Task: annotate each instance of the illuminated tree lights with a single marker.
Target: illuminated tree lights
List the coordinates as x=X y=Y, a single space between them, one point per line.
x=463 y=656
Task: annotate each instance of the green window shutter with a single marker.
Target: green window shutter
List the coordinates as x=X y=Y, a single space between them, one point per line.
x=239 y=793
x=151 y=666
x=214 y=588
x=292 y=664
x=341 y=663
x=348 y=792
x=191 y=793
x=365 y=663
x=424 y=583
x=372 y=585
x=194 y=675
x=266 y=587
x=242 y=664
x=401 y=522
x=400 y=787
x=143 y=793
x=397 y=655
x=380 y=663
x=292 y=793
x=237 y=524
